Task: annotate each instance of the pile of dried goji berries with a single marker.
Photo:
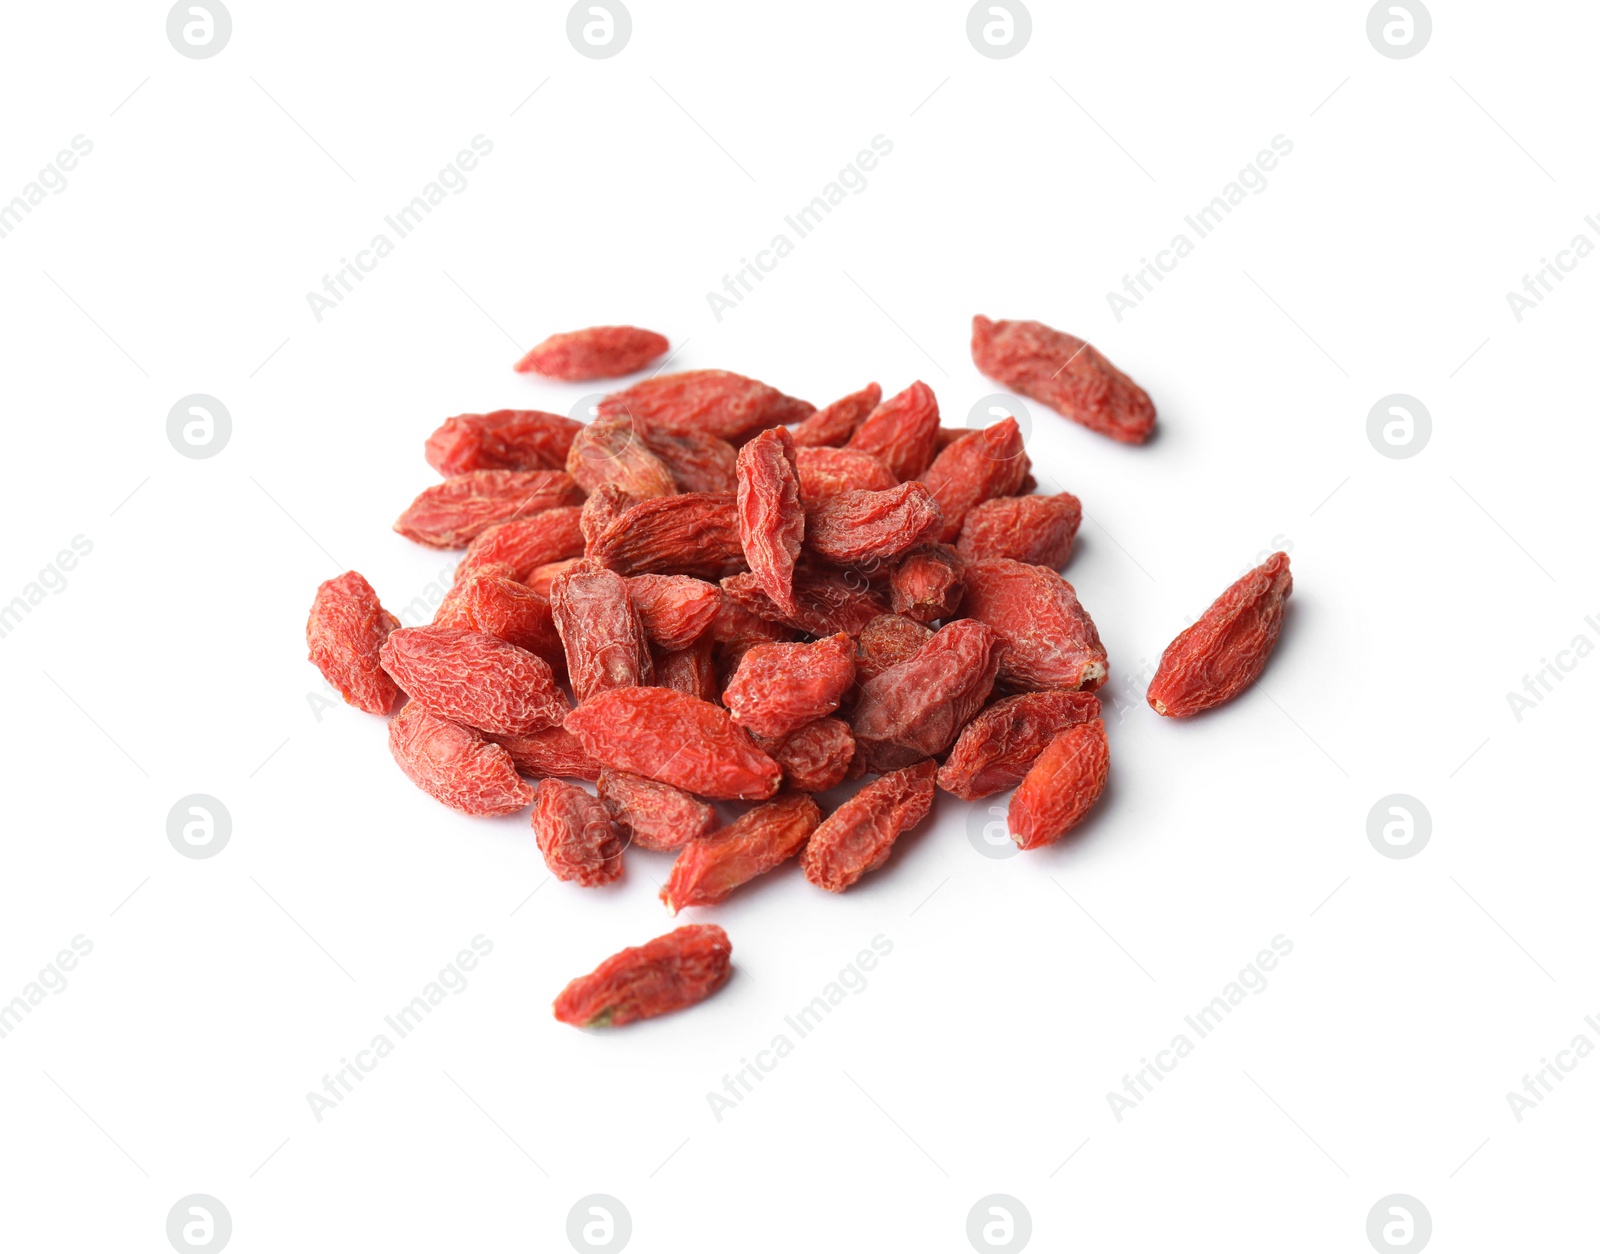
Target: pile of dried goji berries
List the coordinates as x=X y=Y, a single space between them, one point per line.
x=716 y=591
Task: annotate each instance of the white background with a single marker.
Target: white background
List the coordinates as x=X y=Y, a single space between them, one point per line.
x=1019 y=991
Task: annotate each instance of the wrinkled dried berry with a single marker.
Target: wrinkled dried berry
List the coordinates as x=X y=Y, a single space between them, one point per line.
x=525 y=544
x=862 y=528
x=694 y=533
x=594 y=353
x=609 y=451
x=474 y=679
x=454 y=764
x=672 y=737
x=692 y=670
x=916 y=709
x=828 y=601
x=669 y=973
x=710 y=868
x=1226 y=649
x=507 y=439
x=553 y=751
x=1050 y=640
x=698 y=462
x=604 y=638
x=832 y=425
x=450 y=515
x=575 y=834
x=886 y=641
x=858 y=836
x=980 y=465
x=927 y=583
x=714 y=402
x=995 y=750
x=1065 y=373
x=780 y=687
x=541 y=577
x=772 y=523
x=507 y=610
x=826 y=472
x=603 y=507
x=654 y=815
x=815 y=757
x=674 y=609
x=903 y=432
x=345 y=631
x=1033 y=529
x=1061 y=786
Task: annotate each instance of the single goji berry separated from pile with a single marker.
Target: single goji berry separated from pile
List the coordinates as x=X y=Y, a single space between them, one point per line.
x=1033 y=529
x=575 y=834
x=609 y=451
x=713 y=402
x=1061 y=786
x=710 y=868
x=772 y=522
x=604 y=638
x=525 y=544
x=454 y=764
x=863 y=528
x=450 y=515
x=826 y=472
x=781 y=687
x=694 y=533
x=928 y=583
x=886 y=641
x=1224 y=652
x=507 y=439
x=655 y=815
x=594 y=353
x=474 y=679
x=345 y=631
x=995 y=750
x=675 y=609
x=916 y=709
x=857 y=837
x=553 y=751
x=669 y=973
x=980 y=465
x=815 y=757
x=1065 y=373
x=903 y=432
x=672 y=737
x=832 y=425
x=826 y=601
x=698 y=462
x=1050 y=640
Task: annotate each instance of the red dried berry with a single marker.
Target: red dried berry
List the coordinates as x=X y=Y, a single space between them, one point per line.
x=858 y=836
x=694 y=533
x=927 y=583
x=604 y=638
x=1033 y=529
x=1226 y=649
x=916 y=709
x=815 y=757
x=886 y=641
x=672 y=737
x=594 y=353
x=1065 y=373
x=781 y=687
x=832 y=425
x=509 y=611
x=608 y=450
x=675 y=610
x=826 y=472
x=656 y=816
x=864 y=528
x=980 y=465
x=507 y=439
x=576 y=835
x=451 y=514
x=738 y=628
x=344 y=633
x=698 y=462
x=541 y=577
x=553 y=751
x=669 y=973
x=692 y=671
x=710 y=868
x=903 y=432
x=995 y=750
x=474 y=679
x=772 y=523
x=1050 y=640
x=454 y=764
x=452 y=610
x=525 y=544
x=827 y=601
x=1061 y=786
x=713 y=402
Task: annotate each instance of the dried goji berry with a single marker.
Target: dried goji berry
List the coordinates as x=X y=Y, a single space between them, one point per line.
x=575 y=834
x=603 y=507
x=1033 y=529
x=451 y=514
x=916 y=709
x=1063 y=783
x=525 y=544
x=779 y=687
x=609 y=451
x=927 y=583
x=1050 y=640
x=452 y=607
x=886 y=641
x=692 y=670
x=474 y=679
x=827 y=601
x=507 y=439
x=862 y=528
x=832 y=425
x=670 y=736
x=995 y=750
x=1225 y=650
x=454 y=764
x=710 y=868
x=693 y=533
x=826 y=472
x=738 y=628
x=772 y=522
x=594 y=353
x=541 y=577
x=698 y=462
x=675 y=610
x=815 y=757
x=1067 y=374
x=715 y=402
x=509 y=611
x=903 y=432
x=980 y=465
x=605 y=642
x=669 y=973
x=656 y=816
x=553 y=751
x=344 y=632
x=857 y=837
